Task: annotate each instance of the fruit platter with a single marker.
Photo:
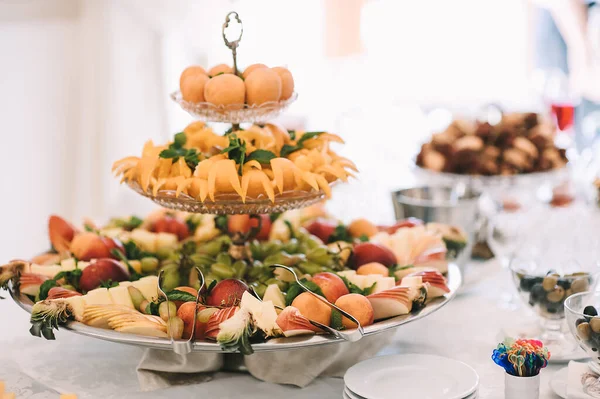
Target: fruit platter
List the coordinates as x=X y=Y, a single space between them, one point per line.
x=102 y=281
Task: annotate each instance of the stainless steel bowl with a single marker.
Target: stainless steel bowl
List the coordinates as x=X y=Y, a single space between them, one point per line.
x=457 y=206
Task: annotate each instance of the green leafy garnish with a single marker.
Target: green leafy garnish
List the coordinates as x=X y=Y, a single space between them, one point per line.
x=292 y=134
x=340 y=233
x=221 y=222
x=287 y=149
x=274 y=216
x=394 y=268
x=236 y=151
x=45 y=288
x=294 y=290
x=290 y=228
x=176 y=150
x=336 y=320
x=192 y=223
x=262 y=156
x=182 y=296
x=152 y=308
x=133 y=252
x=363 y=238
x=109 y=284
x=355 y=289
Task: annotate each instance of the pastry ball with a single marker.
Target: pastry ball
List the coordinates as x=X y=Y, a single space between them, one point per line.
x=225 y=89
x=251 y=68
x=287 y=82
x=190 y=71
x=262 y=85
x=192 y=86
x=221 y=68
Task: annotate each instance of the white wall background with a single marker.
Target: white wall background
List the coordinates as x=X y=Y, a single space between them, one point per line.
x=86 y=82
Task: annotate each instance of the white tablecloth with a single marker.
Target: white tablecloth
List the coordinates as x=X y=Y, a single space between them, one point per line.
x=466 y=329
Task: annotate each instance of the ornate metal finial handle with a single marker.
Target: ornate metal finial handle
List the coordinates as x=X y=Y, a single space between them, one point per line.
x=233 y=44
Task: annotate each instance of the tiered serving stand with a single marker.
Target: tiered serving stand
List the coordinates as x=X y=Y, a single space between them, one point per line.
x=228 y=205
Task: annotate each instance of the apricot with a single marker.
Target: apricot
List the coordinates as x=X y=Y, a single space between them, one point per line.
x=251 y=68
x=287 y=82
x=360 y=227
x=359 y=307
x=88 y=245
x=186 y=313
x=190 y=71
x=331 y=285
x=373 y=268
x=225 y=90
x=262 y=85
x=313 y=309
x=221 y=68
x=192 y=87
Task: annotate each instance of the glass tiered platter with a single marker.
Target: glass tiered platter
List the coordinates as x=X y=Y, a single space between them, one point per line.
x=224 y=205
x=454 y=283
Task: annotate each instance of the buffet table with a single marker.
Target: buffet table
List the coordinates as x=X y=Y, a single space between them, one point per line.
x=467 y=329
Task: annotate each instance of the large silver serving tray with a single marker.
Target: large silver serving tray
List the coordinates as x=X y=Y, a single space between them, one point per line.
x=454 y=283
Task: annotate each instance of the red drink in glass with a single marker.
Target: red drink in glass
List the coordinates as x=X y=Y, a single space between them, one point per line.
x=564 y=113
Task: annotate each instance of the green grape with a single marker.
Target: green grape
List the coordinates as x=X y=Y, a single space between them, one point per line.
x=292 y=246
x=283 y=286
x=319 y=255
x=310 y=267
x=202 y=260
x=211 y=248
x=174 y=257
x=240 y=267
x=222 y=270
x=164 y=253
x=170 y=279
x=224 y=258
x=149 y=264
x=165 y=264
x=279 y=258
x=256 y=250
x=209 y=278
x=259 y=288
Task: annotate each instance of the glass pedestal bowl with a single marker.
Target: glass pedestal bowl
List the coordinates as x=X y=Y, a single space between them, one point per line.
x=581 y=311
x=545 y=288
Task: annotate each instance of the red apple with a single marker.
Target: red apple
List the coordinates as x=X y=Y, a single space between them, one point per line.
x=437 y=283
x=367 y=252
x=87 y=246
x=100 y=271
x=61 y=233
x=227 y=293
x=322 y=228
x=331 y=284
x=169 y=224
x=390 y=303
x=265 y=227
x=409 y=222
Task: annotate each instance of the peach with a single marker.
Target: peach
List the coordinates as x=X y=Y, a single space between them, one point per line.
x=243 y=224
x=192 y=87
x=359 y=307
x=331 y=284
x=61 y=233
x=262 y=85
x=312 y=308
x=191 y=71
x=186 y=313
x=373 y=268
x=251 y=68
x=225 y=90
x=362 y=227
x=367 y=252
x=287 y=82
x=102 y=270
x=221 y=68
x=227 y=293
x=87 y=246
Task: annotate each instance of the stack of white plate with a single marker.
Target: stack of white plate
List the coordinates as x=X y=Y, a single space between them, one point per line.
x=411 y=376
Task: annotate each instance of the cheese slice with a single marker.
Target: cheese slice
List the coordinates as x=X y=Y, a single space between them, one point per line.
x=77 y=305
x=148 y=286
x=120 y=296
x=411 y=281
x=347 y=273
x=386 y=283
x=165 y=240
x=68 y=264
x=99 y=296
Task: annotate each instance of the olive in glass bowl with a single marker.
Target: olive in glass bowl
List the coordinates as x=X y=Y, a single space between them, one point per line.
x=584 y=323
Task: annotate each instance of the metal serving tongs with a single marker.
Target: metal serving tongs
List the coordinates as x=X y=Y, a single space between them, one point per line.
x=180 y=346
x=352 y=336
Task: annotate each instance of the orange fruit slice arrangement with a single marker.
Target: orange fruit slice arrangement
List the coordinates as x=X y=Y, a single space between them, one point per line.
x=259 y=162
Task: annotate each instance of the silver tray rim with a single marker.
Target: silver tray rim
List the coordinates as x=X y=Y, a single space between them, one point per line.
x=275 y=344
